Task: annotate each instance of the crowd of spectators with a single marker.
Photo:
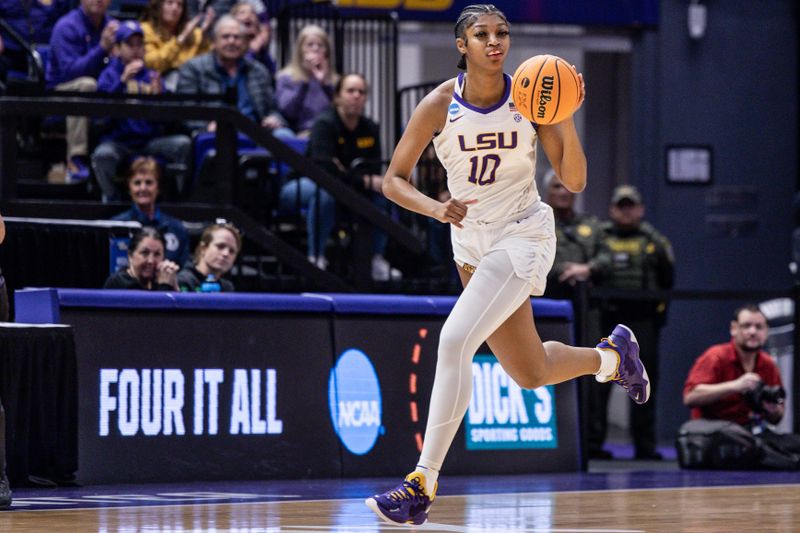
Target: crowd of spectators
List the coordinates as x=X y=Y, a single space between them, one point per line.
x=214 y=48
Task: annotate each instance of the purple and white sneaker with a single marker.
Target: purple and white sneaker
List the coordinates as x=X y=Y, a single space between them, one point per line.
x=630 y=372
x=407 y=503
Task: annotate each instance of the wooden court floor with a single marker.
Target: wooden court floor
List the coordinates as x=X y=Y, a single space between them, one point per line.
x=746 y=508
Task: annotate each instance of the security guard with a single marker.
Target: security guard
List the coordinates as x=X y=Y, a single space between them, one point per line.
x=581 y=254
x=642 y=262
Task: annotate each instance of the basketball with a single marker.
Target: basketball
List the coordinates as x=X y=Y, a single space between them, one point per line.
x=545 y=89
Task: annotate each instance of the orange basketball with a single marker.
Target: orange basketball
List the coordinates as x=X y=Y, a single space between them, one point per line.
x=545 y=89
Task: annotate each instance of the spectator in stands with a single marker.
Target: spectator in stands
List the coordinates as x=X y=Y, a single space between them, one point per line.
x=227 y=68
x=171 y=39
x=213 y=258
x=33 y=20
x=726 y=382
x=147 y=268
x=642 y=262
x=347 y=144
x=305 y=85
x=79 y=48
x=144 y=180
x=126 y=74
x=258 y=34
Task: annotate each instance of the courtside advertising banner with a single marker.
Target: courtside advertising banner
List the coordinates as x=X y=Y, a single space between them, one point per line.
x=193 y=387
x=168 y=396
x=502 y=416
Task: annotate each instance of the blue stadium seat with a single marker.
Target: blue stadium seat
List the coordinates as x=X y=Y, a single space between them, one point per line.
x=204 y=147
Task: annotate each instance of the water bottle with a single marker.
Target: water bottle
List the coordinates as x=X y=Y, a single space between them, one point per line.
x=210 y=285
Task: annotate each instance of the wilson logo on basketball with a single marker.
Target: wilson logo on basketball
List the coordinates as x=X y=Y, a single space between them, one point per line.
x=545 y=96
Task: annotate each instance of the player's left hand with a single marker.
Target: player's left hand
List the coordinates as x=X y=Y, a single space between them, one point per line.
x=453 y=211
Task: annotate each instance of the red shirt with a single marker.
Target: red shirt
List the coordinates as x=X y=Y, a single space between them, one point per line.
x=721 y=363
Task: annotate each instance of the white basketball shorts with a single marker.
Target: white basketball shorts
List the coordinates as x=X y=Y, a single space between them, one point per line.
x=529 y=239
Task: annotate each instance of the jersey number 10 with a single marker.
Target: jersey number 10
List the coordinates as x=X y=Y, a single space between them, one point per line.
x=489 y=160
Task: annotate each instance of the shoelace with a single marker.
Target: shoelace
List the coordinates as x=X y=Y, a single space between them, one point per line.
x=406 y=492
x=619 y=379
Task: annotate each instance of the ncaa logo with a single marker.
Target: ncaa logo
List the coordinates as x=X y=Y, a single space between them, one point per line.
x=354 y=400
x=454 y=108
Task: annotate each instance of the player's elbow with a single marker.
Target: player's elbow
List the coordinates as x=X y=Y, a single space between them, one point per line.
x=391 y=186
x=387 y=187
x=576 y=188
x=574 y=185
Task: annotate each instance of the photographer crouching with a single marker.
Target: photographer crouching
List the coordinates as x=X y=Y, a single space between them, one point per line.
x=735 y=391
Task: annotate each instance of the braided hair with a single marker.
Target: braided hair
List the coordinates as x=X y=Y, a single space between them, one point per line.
x=467 y=18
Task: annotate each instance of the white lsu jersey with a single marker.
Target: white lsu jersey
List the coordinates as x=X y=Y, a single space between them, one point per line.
x=489 y=155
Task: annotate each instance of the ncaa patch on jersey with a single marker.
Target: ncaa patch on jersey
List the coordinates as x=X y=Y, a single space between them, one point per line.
x=454 y=108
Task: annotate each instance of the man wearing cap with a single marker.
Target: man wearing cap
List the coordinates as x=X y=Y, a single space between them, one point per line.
x=126 y=74
x=79 y=48
x=642 y=262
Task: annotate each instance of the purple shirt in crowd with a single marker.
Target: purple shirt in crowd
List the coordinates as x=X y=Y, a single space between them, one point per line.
x=301 y=101
x=75 y=49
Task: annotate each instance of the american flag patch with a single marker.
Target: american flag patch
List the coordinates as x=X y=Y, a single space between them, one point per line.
x=512 y=107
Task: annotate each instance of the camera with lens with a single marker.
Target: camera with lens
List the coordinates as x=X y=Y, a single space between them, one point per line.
x=764 y=393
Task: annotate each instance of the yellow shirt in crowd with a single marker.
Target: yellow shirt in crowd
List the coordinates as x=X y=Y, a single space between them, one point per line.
x=164 y=55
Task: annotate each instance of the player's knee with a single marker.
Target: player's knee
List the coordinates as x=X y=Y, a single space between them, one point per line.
x=532 y=379
x=451 y=343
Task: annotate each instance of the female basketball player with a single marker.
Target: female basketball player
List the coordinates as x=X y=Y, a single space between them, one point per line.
x=503 y=244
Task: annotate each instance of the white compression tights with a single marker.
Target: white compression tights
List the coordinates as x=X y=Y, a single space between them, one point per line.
x=491 y=296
